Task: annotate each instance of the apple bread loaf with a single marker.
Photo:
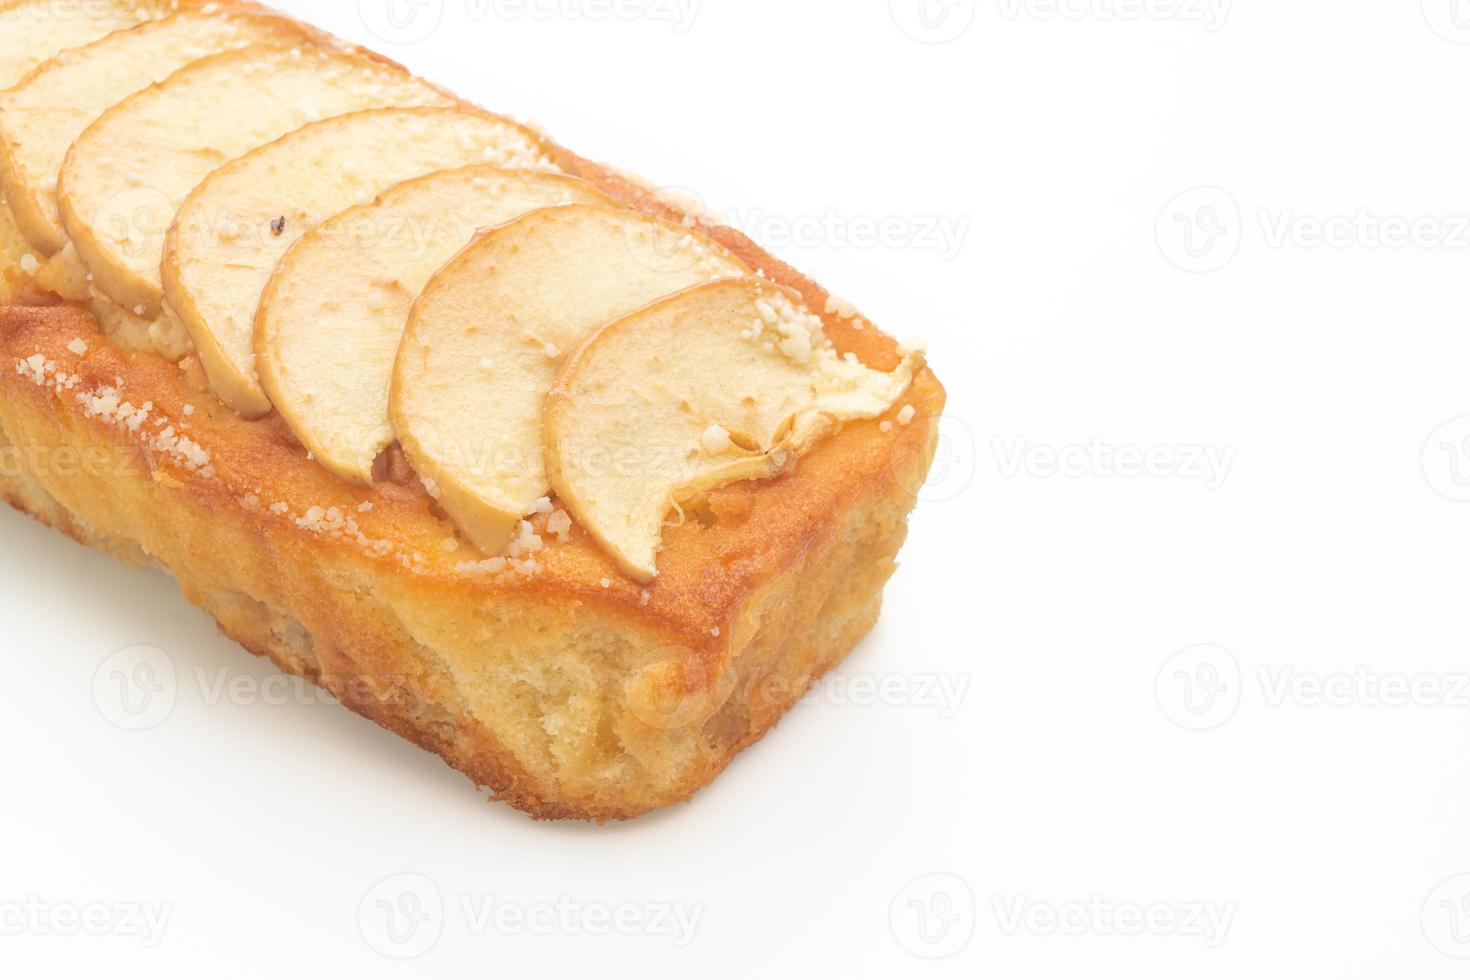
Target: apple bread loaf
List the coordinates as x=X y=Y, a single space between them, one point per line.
x=518 y=458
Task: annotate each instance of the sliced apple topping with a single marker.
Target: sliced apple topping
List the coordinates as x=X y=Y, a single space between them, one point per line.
x=487 y=337
x=42 y=116
x=724 y=382
x=325 y=356
x=33 y=31
x=232 y=232
x=125 y=176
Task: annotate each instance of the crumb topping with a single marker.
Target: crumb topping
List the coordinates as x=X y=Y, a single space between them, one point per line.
x=184 y=449
x=837 y=306
x=786 y=327
x=43 y=373
x=331 y=522
x=560 y=524
x=107 y=403
x=680 y=199
x=519 y=558
x=490 y=566
x=716 y=441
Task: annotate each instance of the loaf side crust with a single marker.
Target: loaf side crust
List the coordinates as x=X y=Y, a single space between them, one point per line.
x=572 y=693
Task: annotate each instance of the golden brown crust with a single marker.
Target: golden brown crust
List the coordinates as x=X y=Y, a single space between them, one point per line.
x=793 y=570
x=762 y=591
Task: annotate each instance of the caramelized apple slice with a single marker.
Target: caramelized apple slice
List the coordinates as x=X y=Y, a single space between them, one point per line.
x=325 y=356
x=233 y=230
x=485 y=342
x=42 y=116
x=126 y=175
x=724 y=382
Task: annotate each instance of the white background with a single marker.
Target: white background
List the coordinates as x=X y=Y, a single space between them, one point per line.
x=1147 y=725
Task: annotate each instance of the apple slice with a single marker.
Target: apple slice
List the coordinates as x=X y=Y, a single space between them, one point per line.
x=231 y=233
x=325 y=355
x=485 y=341
x=33 y=31
x=125 y=176
x=724 y=382
x=42 y=116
